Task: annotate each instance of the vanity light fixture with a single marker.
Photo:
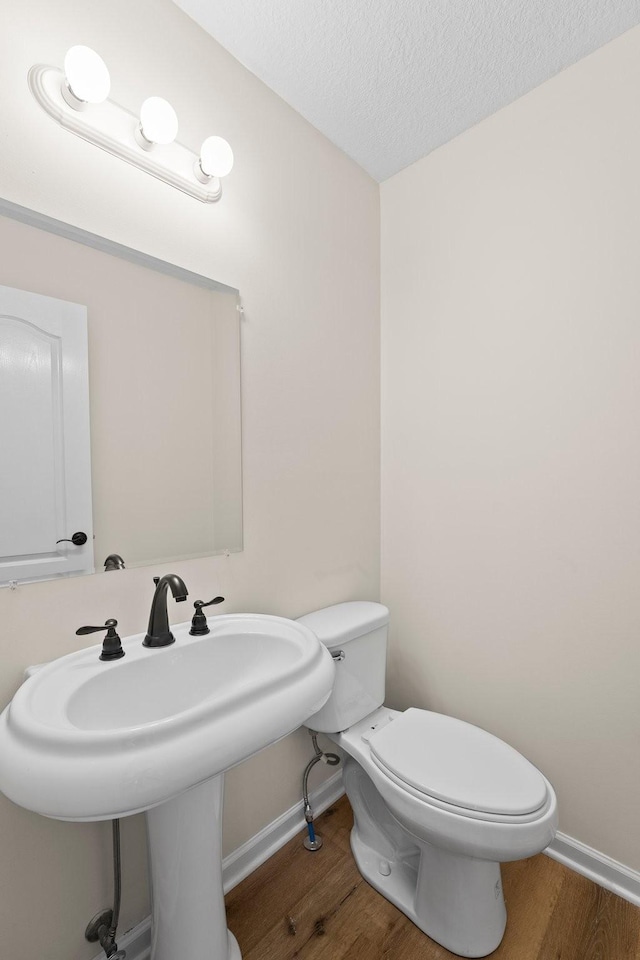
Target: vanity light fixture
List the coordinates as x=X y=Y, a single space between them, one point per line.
x=78 y=99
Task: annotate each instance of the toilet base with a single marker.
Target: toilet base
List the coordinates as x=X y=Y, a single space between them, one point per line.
x=456 y=900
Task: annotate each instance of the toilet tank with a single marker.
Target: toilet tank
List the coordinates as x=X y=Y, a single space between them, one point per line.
x=356 y=635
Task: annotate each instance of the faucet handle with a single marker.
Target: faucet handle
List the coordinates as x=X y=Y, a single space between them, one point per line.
x=111 y=647
x=108 y=625
x=199 y=622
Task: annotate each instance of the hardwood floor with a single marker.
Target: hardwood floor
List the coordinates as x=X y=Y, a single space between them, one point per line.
x=316 y=906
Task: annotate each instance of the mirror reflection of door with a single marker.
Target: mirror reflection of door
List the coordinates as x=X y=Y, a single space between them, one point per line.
x=45 y=465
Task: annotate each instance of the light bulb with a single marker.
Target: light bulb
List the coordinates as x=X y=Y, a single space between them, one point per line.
x=158 y=122
x=215 y=160
x=87 y=79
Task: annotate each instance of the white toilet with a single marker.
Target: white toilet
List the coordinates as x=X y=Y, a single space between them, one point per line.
x=438 y=803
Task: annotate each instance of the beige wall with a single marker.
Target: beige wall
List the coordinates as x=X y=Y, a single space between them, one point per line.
x=511 y=416
x=297 y=232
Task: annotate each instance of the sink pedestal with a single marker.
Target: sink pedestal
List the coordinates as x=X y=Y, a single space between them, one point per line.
x=185 y=858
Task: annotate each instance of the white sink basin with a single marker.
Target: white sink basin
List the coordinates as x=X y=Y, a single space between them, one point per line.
x=85 y=739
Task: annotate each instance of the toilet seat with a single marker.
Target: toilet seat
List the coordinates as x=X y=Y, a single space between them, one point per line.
x=478 y=834
x=458 y=767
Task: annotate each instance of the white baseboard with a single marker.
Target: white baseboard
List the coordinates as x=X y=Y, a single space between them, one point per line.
x=247 y=858
x=610 y=874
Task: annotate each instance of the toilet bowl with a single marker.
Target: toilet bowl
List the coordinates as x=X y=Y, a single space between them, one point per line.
x=438 y=803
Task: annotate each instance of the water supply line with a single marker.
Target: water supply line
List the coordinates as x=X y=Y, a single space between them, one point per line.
x=104 y=925
x=117 y=882
x=313 y=841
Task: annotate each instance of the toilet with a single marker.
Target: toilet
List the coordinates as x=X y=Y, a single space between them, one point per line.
x=437 y=803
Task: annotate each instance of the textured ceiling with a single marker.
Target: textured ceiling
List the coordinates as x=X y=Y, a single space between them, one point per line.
x=390 y=80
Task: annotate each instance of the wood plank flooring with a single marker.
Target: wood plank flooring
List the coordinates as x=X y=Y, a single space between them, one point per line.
x=316 y=906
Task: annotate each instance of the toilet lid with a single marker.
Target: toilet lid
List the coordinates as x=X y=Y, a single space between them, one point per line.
x=458 y=763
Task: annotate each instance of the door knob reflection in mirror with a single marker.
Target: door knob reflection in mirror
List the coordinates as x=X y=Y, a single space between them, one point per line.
x=78 y=539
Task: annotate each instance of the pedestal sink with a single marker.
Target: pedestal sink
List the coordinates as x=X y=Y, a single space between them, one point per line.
x=87 y=740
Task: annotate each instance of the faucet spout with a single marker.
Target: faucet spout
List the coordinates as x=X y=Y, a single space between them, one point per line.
x=158 y=632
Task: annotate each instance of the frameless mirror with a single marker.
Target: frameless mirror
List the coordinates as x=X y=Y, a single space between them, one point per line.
x=164 y=398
